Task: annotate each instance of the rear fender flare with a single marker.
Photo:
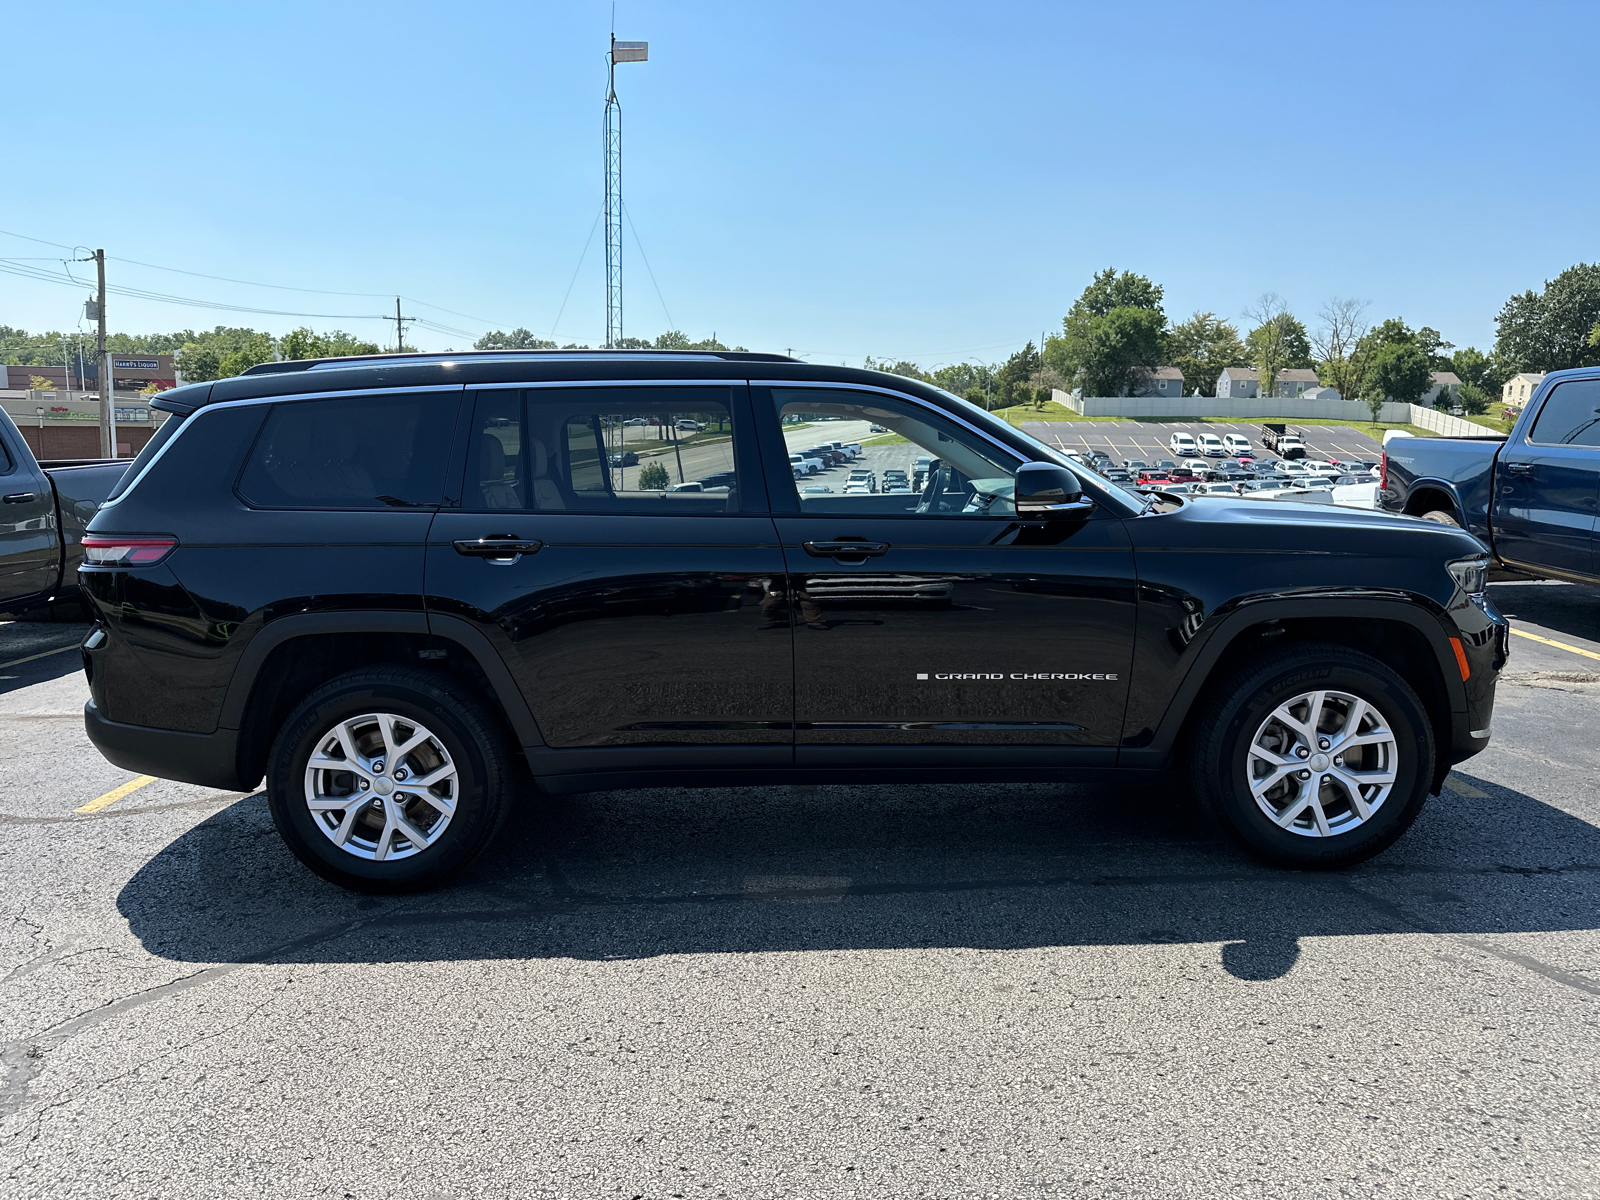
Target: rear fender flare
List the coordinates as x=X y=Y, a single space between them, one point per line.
x=473 y=643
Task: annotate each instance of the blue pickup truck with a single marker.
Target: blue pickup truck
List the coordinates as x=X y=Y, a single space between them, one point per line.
x=1532 y=497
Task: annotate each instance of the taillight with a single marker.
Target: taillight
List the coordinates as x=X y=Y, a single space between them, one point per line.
x=1383 y=473
x=112 y=550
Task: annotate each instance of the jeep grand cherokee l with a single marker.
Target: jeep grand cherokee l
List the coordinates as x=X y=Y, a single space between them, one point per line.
x=379 y=583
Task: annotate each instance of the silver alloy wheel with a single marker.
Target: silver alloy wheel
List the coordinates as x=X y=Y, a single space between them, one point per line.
x=381 y=786
x=1322 y=763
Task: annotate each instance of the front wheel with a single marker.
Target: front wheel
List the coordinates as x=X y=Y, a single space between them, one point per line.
x=388 y=779
x=1318 y=757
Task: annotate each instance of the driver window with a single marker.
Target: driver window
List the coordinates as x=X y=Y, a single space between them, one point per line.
x=865 y=454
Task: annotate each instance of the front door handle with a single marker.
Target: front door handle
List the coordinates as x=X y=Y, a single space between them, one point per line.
x=1519 y=468
x=502 y=546
x=21 y=498
x=845 y=548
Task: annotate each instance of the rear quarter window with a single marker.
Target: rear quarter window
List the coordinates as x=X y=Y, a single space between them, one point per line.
x=383 y=450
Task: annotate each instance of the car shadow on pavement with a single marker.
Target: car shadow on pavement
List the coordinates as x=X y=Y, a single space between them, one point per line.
x=52 y=662
x=624 y=875
x=1567 y=608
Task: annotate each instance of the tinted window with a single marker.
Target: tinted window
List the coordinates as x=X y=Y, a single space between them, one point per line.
x=160 y=438
x=603 y=450
x=924 y=465
x=1570 y=416
x=383 y=450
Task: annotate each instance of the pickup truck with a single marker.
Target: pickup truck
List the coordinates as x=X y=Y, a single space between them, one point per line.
x=43 y=510
x=1530 y=497
x=1285 y=443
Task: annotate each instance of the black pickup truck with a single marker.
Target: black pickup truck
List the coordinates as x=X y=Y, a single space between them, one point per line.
x=44 y=508
x=1530 y=497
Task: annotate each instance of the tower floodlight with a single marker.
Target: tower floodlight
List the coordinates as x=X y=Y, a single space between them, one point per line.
x=621 y=52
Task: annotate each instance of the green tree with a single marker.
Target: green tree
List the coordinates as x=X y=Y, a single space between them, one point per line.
x=1485 y=373
x=1550 y=330
x=1201 y=348
x=200 y=362
x=518 y=339
x=1398 y=371
x=1436 y=348
x=253 y=351
x=653 y=477
x=304 y=343
x=41 y=384
x=909 y=369
x=1115 y=332
x=1341 y=347
x=1473 y=398
x=1277 y=343
x=1011 y=380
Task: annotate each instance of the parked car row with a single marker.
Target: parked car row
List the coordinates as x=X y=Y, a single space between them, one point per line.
x=823 y=457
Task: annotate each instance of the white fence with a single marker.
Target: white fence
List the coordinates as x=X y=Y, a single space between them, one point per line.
x=1266 y=408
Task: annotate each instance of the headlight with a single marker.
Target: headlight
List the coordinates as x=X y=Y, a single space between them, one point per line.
x=1472 y=574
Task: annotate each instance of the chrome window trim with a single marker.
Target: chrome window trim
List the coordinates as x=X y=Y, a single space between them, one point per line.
x=883 y=391
x=247 y=402
x=160 y=454
x=610 y=383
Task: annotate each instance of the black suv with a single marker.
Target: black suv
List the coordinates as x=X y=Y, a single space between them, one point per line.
x=386 y=583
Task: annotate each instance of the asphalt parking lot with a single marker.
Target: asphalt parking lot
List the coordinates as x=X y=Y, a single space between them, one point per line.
x=986 y=991
x=1148 y=440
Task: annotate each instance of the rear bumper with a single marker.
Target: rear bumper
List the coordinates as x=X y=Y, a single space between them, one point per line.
x=208 y=759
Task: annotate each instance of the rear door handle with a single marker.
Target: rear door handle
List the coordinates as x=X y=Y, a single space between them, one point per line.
x=21 y=498
x=496 y=545
x=1519 y=468
x=843 y=548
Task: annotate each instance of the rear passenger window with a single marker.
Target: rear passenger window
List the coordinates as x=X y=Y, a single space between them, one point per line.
x=374 y=451
x=1570 y=416
x=603 y=450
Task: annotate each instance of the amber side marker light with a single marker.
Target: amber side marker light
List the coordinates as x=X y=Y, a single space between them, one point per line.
x=1461 y=658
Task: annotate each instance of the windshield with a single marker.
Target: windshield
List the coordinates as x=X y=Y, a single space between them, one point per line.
x=1045 y=452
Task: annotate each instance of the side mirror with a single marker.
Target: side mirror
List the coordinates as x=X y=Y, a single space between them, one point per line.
x=1049 y=492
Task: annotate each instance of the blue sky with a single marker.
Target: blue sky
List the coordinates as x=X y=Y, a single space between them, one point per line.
x=934 y=181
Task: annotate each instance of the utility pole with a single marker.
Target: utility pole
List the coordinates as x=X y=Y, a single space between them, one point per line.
x=108 y=416
x=620 y=52
x=399 y=327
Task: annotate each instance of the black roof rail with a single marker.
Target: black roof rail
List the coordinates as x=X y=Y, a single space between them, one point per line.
x=375 y=360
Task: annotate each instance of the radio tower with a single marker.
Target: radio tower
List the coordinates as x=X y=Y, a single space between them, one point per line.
x=621 y=52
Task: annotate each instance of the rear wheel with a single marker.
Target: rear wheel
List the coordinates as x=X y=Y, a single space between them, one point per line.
x=388 y=779
x=1319 y=757
x=1441 y=517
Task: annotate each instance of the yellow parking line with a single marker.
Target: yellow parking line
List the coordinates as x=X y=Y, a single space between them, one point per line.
x=115 y=794
x=1534 y=637
x=1461 y=787
x=17 y=662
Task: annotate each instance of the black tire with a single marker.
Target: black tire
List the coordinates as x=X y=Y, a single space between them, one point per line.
x=1235 y=710
x=463 y=725
x=1440 y=517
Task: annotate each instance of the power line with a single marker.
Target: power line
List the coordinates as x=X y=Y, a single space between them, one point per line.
x=253 y=283
x=671 y=324
x=586 y=243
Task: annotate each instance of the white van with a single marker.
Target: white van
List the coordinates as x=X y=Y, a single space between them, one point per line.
x=1182 y=445
x=1236 y=445
x=1211 y=446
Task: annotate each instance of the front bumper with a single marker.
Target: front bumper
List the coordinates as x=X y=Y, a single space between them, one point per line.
x=208 y=759
x=1484 y=635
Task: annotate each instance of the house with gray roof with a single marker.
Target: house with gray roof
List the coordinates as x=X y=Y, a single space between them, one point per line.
x=1244 y=383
